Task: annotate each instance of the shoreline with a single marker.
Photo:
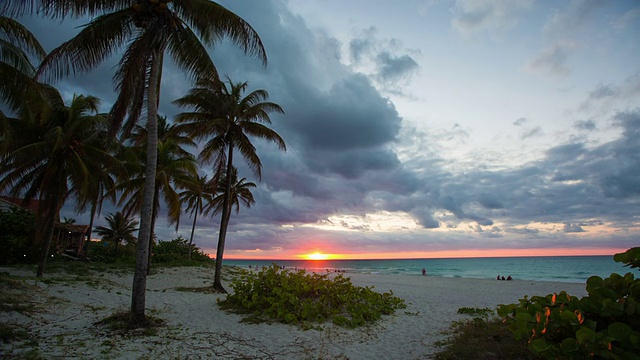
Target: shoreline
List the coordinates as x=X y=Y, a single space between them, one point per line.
x=70 y=305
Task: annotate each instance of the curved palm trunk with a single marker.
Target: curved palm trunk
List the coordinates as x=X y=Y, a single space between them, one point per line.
x=193 y=229
x=224 y=223
x=138 y=291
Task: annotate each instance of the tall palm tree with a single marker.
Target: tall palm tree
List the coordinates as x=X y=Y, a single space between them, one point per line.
x=148 y=28
x=119 y=228
x=197 y=192
x=52 y=158
x=227 y=119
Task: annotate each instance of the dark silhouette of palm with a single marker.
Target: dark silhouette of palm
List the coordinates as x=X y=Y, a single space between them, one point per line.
x=226 y=119
x=120 y=228
x=197 y=191
x=53 y=157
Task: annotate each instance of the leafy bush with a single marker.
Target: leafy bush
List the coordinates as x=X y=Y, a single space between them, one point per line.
x=605 y=324
x=298 y=297
x=104 y=251
x=17 y=235
x=176 y=252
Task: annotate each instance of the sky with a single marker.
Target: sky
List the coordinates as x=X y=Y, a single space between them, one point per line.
x=426 y=128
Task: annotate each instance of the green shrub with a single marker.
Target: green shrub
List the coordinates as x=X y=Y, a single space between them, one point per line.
x=104 y=251
x=176 y=252
x=298 y=297
x=605 y=324
x=17 y=235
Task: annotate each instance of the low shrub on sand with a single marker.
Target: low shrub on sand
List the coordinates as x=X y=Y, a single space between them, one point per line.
x=298 y=297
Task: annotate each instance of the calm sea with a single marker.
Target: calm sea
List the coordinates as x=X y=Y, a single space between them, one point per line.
x=575 y=269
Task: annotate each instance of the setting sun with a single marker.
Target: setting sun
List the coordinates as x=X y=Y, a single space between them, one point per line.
x=317 y=256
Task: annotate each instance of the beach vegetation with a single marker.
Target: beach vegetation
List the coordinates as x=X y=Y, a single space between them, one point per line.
x=174 y=166
x=604 y=324
x=119 y=229
x=197 y=191
x=298 y=297
x=476 y=311
x=225 y=118
x=123 y=322
x=51 y=159
x=176 y=253
x=17 y=235
x=482 y=337
x=148 y=30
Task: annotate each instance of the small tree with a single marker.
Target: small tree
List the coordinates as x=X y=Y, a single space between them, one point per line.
x=120 y=229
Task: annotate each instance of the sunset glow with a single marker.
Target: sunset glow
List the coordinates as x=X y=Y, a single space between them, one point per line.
x=316 y=256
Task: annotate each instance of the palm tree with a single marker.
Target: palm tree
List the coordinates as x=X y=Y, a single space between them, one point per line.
x=17 y=46
x=227 y=119
x=52 y=154
x=120 y=228
x=197 y=192
x=175 y=166
x=240 y=194
x=149 y=27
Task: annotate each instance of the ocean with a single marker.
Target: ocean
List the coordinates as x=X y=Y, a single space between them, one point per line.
x=573 y=269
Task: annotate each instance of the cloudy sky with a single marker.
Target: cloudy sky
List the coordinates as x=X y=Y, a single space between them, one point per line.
x=428 y=128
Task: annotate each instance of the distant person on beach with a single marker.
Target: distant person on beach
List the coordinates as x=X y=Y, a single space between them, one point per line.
x=509 y=277
x=424 y=272
x=502 y=278
x=498 y=277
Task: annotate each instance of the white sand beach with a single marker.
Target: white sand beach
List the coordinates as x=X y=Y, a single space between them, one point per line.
x=69 y=306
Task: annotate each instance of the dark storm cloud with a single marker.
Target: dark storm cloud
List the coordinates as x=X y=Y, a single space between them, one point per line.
x=351 y=115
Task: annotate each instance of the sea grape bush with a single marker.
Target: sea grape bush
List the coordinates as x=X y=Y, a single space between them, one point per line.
x=298 y=297
x=605 y=324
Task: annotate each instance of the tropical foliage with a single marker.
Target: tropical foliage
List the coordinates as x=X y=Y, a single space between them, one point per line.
x=605 y=324
x=298 y=297
x=53 y=157
x=119 y=229
x=225 y=118
x=73 y=148
x=16 y=236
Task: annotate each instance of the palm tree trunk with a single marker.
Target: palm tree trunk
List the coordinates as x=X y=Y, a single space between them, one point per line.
x=54 y=204
x=82 y=251
x=139 y=288
x=153 y=229
x=193 y=228
x=224 y=223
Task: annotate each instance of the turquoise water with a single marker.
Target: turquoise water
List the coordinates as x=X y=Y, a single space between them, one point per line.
x=575 y=269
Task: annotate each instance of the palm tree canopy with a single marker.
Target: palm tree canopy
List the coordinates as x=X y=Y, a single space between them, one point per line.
x=240 y=193
x=223 y=115
x=119 y=228
x=18 y=47
x=144 y=26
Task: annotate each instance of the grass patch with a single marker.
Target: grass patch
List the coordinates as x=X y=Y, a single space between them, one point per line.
x=202 y=290
x=17 y=295
x=122 y=322
x=10 y=333
x=482 y=339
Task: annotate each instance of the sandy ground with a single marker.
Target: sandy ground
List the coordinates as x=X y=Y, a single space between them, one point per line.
x=70 y=305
